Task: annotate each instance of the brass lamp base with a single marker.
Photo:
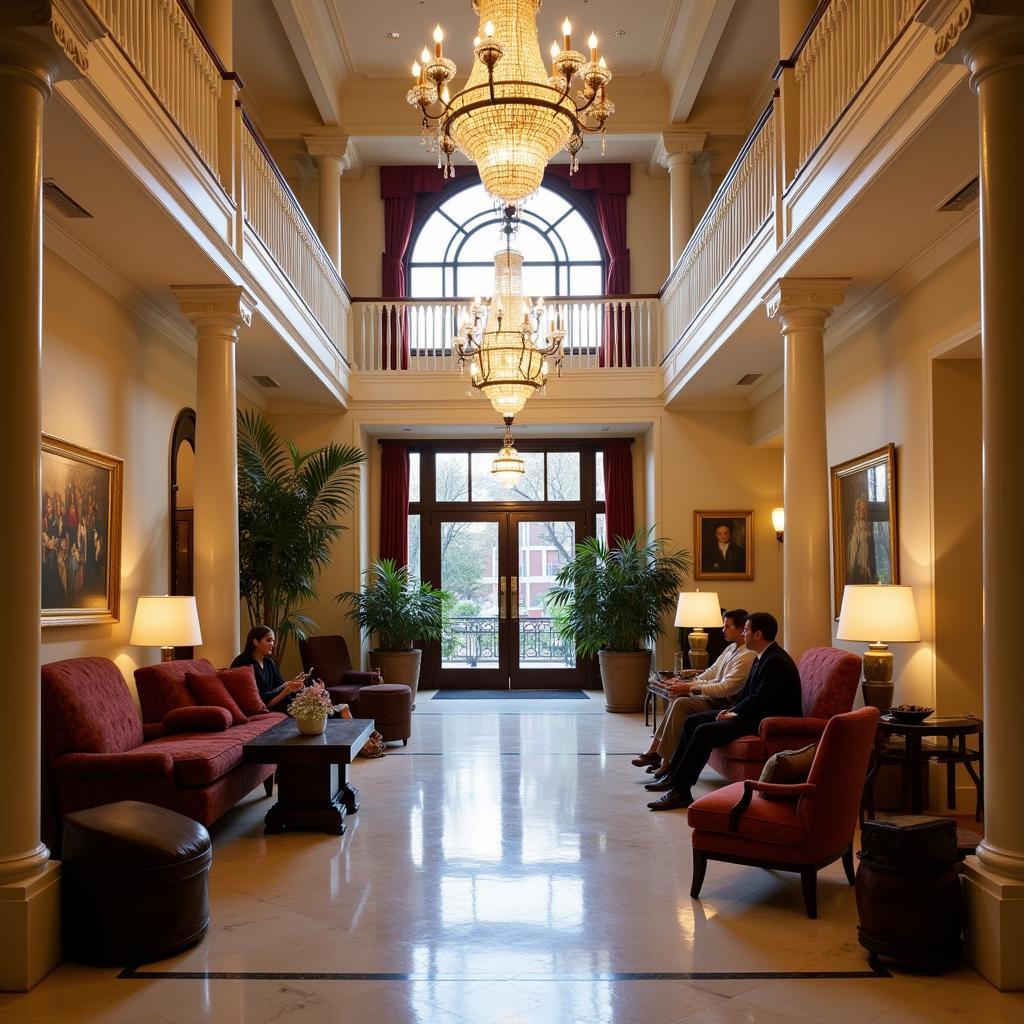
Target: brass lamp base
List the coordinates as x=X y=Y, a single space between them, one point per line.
x=698 y=652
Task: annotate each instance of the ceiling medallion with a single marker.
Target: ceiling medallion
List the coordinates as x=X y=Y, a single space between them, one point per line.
x=512 y=116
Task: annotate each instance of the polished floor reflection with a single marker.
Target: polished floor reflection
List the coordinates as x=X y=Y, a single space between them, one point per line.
x=504 y=868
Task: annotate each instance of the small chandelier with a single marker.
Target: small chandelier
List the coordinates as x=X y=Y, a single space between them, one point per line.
x=500 y=339
x=511 y=117
x=508 y=468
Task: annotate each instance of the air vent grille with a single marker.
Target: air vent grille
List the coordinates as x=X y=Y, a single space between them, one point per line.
x=748 y=378
x=961 y=199
x=62 y=202
x=266 y=382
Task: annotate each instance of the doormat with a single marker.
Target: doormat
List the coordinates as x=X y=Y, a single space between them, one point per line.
x=510 y=695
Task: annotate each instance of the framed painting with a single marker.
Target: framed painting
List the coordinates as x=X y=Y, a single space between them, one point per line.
x=725 y=545
x=864 y=537
x=81 y=534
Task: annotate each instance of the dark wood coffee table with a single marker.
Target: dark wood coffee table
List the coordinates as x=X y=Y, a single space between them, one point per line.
x=313 y=791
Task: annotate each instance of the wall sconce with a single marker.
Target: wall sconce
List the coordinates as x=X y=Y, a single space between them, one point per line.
x=779 y=522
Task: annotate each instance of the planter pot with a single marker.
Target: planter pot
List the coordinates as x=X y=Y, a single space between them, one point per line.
x=624 y=678
x=311 y=726
x=399 y=667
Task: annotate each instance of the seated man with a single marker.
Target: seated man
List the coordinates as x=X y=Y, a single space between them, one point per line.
x=772 y=688
x=710 y=690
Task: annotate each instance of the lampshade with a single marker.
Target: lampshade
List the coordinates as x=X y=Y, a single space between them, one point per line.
x=878 y=612
x=779 y=520
x=163 y=621
x=698 y=609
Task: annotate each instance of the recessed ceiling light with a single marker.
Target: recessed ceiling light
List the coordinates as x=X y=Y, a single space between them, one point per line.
x=619 y=33
x=393 y=35
x=606 y=428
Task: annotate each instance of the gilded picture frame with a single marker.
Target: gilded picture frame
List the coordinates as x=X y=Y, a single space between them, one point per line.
x=724 y=545
x=82 y=493
x=865 y=539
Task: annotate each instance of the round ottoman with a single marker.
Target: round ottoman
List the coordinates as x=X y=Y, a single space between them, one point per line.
x=134 y=883
x=390 y=707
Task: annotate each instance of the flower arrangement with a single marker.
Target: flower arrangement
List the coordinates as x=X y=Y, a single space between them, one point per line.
x=313 y=702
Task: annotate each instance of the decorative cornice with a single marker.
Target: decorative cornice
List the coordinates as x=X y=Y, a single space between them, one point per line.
x=56 y=33
x=946 y=39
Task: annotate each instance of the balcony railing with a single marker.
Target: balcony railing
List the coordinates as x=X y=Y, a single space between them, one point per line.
x=616 y=331
x=473 y=640
x=840 y=55
x=741 y=207
x=160 y=42
x=274 y=214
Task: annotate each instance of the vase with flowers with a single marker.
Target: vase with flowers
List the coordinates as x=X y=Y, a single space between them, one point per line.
x=310 y=708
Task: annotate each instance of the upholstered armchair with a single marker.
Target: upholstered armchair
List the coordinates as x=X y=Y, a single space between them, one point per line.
x=828 y=684
x=800 y=827
x=328 y=657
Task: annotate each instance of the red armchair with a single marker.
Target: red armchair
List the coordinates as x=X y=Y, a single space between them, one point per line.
x=801 y=827
x=828 y=682
x=328 y=657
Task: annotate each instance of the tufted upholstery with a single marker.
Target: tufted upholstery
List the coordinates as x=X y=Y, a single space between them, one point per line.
x=828 y=687
x=804 y=826
x=329 y=658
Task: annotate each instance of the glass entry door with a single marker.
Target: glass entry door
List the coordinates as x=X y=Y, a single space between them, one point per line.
x=499 y=632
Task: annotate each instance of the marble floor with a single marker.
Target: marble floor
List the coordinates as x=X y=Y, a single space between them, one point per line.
x=504 y=868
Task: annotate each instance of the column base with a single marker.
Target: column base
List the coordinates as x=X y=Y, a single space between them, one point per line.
x=994 y=930
x=29 y=929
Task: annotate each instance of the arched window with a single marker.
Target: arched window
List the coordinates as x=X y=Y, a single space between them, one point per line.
x=453 y=251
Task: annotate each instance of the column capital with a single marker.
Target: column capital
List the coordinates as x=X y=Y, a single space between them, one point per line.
x=983 y=34
x=334 y=146
x=677 y=147
x=210 y=304
x=50 y=41
x=805 y=296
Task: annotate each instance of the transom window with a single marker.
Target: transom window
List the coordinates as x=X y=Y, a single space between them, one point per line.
x=453 y=252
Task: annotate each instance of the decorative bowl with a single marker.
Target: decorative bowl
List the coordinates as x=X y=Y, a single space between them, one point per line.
x=910 y=712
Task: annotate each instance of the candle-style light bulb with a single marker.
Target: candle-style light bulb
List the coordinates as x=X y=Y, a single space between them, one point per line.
x=425 y=56
x=566 y=34
x=446 y=95
x=602 y=63
x=438 y=39
x=554 y=52
x=416 y=69
x=592 y=43
x=476 y=42
x=489 y=29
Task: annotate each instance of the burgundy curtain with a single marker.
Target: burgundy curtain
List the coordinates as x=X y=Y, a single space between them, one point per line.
x=394 y=503
x=618 y=491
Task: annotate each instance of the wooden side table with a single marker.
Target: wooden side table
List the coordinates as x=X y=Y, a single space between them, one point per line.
x=918 y=745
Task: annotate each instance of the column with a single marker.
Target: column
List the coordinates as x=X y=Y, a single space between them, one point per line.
x=331 y=155
x=37 y=47
x=217 y=311
x=992 y=47
x=216 y=18
x=802 y=306
x=677 y=151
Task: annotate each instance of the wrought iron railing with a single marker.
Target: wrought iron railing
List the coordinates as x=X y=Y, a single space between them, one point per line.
x=473 y=640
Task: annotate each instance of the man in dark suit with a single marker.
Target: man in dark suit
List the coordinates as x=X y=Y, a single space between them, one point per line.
x=772 y=688
x=722 y=555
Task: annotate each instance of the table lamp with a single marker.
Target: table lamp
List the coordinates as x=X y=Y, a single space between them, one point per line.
x=882 y=614
x=695 y=610
x=166 y=622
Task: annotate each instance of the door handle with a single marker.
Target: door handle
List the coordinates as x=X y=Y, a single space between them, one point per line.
x=502 y=606
x=514 y=582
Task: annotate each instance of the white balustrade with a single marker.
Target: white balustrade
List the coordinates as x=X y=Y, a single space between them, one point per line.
x=842 y=52
x=159 y=41
x=612 y=333
x=740 y=209
x=274 y=214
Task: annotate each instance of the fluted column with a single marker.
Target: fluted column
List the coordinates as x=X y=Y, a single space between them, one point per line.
x=802 y=306
x=677 y=151
x=217 y=311
x=37 y=47
x=331 y=155
x=992 y=47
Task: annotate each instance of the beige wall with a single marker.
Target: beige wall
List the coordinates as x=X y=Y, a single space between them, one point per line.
x=112 y=383
x=647 y=226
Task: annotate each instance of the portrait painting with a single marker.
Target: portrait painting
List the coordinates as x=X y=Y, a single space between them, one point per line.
x=864 y=541
x=81 y=534
x=725 y=545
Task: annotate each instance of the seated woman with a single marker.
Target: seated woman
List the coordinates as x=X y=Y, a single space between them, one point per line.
x=274 y=689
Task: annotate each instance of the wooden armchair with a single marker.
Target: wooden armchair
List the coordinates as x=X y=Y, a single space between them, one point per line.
x=800 y=827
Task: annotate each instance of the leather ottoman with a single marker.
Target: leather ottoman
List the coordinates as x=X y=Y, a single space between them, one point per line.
x=390 y=707
x=134 y=883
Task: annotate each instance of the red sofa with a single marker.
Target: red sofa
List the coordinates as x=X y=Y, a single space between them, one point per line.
x=96 y=751
x=828 y=683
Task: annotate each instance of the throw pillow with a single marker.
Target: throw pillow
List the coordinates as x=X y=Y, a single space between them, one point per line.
x=210 y=690
x=788 y=766
x=241 y=684
x=196 y=718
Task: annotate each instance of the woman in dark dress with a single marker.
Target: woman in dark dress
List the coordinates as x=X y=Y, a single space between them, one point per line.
x=275 y=691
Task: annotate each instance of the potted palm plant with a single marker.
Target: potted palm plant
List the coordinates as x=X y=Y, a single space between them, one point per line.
x=614 y=603
x=400 y=610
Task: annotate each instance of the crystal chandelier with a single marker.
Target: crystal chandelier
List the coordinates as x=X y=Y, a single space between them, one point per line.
x=501 y=338
x=508 y=468
x=511 y=117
